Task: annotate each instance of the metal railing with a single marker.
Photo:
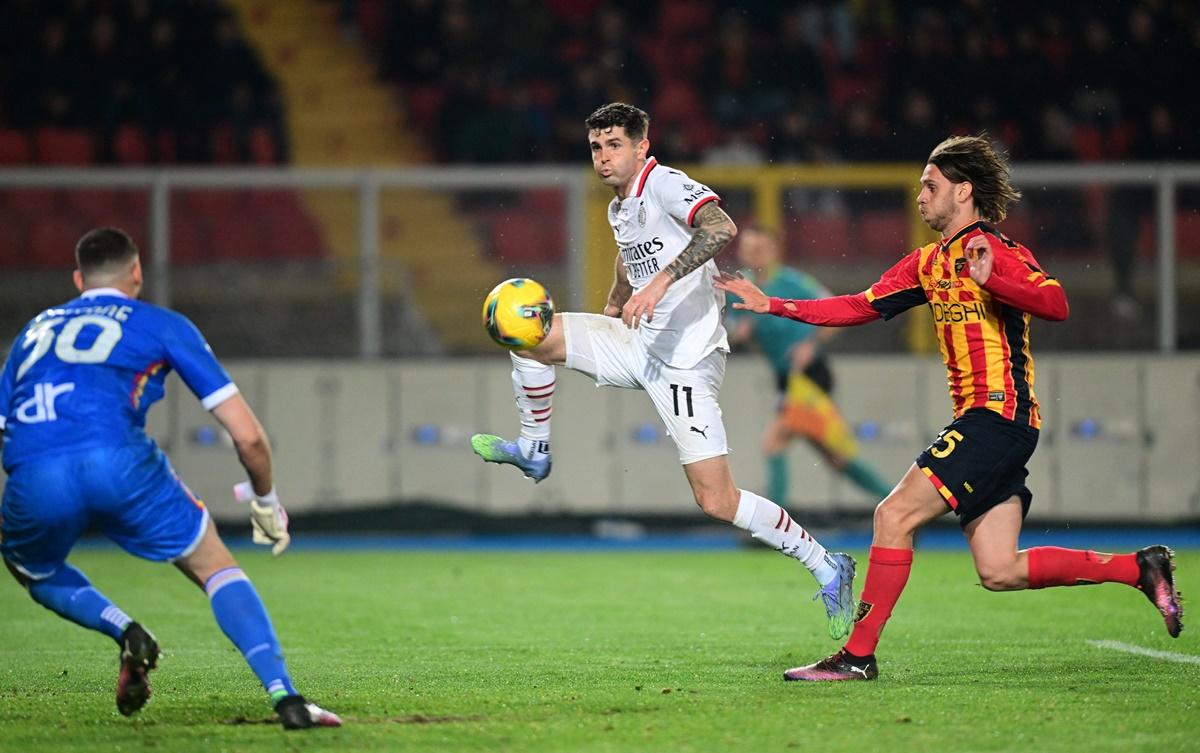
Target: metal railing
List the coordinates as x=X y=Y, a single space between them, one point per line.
x=582 y=255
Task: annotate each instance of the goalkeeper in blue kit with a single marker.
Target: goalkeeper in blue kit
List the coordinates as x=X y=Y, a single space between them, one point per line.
x=74 y=395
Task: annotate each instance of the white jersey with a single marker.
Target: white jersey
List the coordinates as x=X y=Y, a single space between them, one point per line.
x=652 y=225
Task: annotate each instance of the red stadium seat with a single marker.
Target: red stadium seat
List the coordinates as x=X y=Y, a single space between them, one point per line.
x=291 y=233
x=262 y=147
x=818 y=235
x=52 y=240
x=1187 y=233
x=31 y=203
x=520 y=237
x=64 y=146
x=189 y=243
x=424 y=104
x=235 y=239
x=12 y=241
x=15 y=147
x=212 y=203
x=131 y=146
x=882 y=233
x=222 y=145
x=92 y=202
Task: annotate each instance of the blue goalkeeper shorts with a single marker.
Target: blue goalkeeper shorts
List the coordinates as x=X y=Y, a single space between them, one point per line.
x=130 y=493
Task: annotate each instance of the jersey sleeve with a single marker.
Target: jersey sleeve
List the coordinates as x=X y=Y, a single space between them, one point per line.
x=681 y=196
x=898 y=289
x=1018 y=281
x=189 y=354
x=8 y=380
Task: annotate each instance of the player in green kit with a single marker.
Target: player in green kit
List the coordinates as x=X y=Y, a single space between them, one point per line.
x=802 y=375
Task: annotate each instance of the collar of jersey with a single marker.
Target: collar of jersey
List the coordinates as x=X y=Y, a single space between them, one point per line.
x=651 y=163
x=96 y=292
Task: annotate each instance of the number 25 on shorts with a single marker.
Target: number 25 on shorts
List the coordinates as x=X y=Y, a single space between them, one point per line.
x=951 y=438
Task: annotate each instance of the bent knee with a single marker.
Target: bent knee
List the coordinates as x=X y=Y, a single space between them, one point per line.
x=717 y=505
x=1000 y=579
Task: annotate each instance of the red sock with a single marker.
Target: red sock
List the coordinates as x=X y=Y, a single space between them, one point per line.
x=1054 y=566
x=886 y=576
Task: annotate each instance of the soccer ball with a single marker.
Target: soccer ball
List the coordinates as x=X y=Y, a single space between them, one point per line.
x=518 y=313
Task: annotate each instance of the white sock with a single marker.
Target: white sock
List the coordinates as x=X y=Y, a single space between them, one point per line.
x=771 y=524
x=533 y=385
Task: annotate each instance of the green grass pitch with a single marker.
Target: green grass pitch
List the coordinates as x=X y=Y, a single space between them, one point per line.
x=675 y=651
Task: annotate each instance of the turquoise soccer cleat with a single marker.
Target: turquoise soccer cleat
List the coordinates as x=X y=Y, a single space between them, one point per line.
x=838 y=596
x=494 y=449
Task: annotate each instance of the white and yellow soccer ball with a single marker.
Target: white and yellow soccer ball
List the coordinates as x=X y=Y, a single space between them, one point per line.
x=518 y=313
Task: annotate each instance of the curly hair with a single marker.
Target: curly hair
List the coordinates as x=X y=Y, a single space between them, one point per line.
x=635 y=122
x=976 y=160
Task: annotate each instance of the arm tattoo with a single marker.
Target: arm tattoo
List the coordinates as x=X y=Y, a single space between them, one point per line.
x=713 y=234
x=621 y=289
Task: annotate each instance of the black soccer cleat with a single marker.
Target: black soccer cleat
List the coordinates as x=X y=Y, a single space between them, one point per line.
x=297 y=713
x=139 y=655
x=1157 y=580
x=840 y=666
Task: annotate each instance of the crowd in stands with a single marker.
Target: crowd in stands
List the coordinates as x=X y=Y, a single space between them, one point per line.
x=133 y=81
x=816 y=80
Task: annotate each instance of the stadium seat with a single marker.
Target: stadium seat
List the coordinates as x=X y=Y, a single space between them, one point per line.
x=222 y=145
x=1089 y=142
x=15 y=147
x=211 y=203
x=818 y=235
x=235 y=238
x=131 y=146
x=52 y=239
x=1187 y=233
x=520 y=237
x=31 y=203
x=882 y=233
x=189 y=243
x=12 y=240
x=291 y=233
x=424 y=103
x=92 y=202
x=64 y=146
x=262 y=147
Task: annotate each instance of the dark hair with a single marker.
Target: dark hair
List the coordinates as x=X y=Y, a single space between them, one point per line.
x=635 y=122
x=975 y=160
x=104 y=250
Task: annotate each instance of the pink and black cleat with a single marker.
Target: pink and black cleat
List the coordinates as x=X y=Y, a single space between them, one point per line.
x=139 y=655
x=297 y=713
x=1157 y=581
x=840 y=666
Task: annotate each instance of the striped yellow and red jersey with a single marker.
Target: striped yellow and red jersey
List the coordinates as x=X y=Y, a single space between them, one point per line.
x=983 y=331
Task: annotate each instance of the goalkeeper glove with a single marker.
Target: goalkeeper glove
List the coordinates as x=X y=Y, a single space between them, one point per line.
x=268 y=519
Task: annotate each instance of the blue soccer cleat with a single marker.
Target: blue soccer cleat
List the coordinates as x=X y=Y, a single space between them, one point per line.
x=838 y=595
x=493 y=449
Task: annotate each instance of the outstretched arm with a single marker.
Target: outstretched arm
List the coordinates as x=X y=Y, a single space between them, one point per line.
x=714 y=230
x=837 y=311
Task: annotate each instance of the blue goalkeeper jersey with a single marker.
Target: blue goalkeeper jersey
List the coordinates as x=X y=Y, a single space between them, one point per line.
x=84 y=374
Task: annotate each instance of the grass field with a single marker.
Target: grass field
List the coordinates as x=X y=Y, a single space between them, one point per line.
x=603 y=651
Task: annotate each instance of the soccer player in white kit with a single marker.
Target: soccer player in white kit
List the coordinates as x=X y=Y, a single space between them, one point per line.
x=661 y=332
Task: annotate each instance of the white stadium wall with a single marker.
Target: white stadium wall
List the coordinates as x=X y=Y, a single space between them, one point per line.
x=1121 y=440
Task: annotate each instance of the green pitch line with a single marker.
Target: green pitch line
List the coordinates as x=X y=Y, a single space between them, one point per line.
x=603 y=652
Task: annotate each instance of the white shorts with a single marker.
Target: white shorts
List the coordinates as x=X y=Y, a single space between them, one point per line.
x=686 y=399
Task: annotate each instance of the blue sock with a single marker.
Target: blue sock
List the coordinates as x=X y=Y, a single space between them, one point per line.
x=70 y=594
x=243 y=618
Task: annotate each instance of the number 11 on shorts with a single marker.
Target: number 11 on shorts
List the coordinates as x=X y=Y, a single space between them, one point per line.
x=687 y=394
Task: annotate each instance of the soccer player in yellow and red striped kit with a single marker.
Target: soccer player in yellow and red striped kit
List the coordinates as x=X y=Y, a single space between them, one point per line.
x=983 y=289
